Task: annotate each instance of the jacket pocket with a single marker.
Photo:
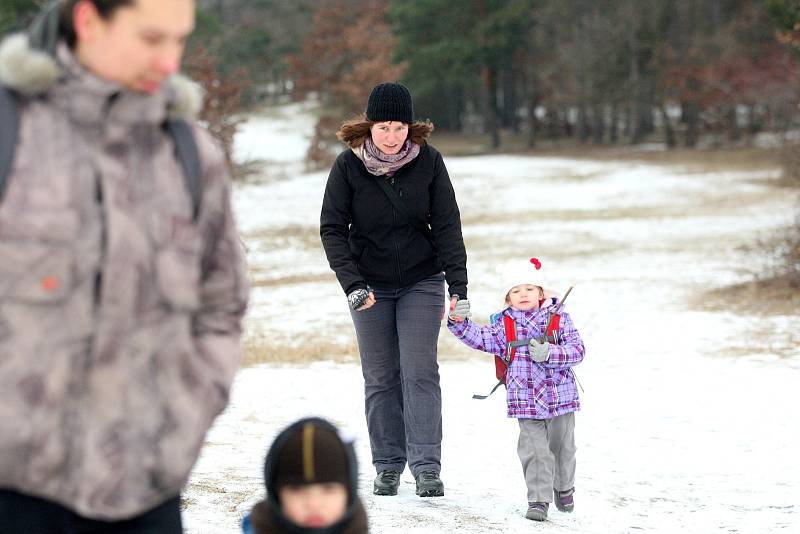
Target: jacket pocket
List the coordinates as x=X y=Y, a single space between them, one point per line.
x=518 y=395
x=37 y=256
x=178 y=253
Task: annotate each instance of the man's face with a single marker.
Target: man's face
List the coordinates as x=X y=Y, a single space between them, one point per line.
x=138 y=46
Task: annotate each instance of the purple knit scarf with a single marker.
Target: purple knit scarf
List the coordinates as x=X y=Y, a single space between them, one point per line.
x=380 y=164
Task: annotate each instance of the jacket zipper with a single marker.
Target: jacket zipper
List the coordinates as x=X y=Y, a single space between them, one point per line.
x=98 y=278
x=100 y=197
x=396 y=245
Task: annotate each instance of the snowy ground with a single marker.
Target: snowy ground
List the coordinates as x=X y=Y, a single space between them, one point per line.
x=689 y=421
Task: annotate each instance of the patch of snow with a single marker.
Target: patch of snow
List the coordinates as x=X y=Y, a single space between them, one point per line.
x=689 y=417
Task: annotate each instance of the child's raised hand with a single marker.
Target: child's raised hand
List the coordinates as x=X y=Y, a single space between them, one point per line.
x=459 y=309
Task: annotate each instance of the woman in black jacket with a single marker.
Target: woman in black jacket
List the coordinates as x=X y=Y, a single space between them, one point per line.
x=391 y=230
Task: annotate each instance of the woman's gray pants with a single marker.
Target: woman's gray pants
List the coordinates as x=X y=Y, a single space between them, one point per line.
x=397 y=341
x=546 y=450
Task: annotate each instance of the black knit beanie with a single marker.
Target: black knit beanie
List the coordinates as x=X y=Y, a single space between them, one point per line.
x=390 y=102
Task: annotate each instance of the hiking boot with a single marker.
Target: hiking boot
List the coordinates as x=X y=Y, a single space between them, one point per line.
x=387 y=482
x=564 y=500
x=429 y=484
x=537 y=511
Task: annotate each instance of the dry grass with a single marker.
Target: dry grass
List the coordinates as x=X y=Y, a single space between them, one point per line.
x=258 y=349
x=778 y=295
x=305 y=236
x=697 y=160
x=223 y=498
x=258 y=281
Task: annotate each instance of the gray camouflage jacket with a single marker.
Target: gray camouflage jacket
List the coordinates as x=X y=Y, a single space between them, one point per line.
x=120 y=316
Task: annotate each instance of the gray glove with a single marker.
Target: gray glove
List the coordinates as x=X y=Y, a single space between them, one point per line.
x=539 y=352
x=357 y=297
x=460 y=310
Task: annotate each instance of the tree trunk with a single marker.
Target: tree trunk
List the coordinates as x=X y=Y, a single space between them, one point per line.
x=530 y=91
x=690 y=118
x=734 y=133
x=752 y=122
x=669 y=133
x=489 y=106
x=613 y=132
x=553 y=124
x=599 y=129
x=634 y=76
x=583 y=123
x=510 y=104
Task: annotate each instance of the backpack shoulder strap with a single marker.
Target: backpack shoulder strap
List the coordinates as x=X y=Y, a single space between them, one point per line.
x=9 y=128
x=500 y=364
x=189 y=157
x=511 y=335
x=180 y=131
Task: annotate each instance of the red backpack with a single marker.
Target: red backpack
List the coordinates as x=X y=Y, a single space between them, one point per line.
x=500 y=367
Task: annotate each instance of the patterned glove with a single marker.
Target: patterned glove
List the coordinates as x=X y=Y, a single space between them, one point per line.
x=460 y=310
x=539 y=352
x=357 y=297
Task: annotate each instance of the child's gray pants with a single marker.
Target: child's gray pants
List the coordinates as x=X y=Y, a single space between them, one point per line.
x=546 y=449
x=397 y=342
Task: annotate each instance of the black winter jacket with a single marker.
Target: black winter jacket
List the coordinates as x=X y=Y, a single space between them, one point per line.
x=368 y=242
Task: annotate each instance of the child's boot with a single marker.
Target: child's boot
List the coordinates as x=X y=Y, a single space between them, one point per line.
x=564 y=500
x=537 y=511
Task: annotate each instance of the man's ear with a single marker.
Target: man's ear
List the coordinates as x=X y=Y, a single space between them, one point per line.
x=86 y=20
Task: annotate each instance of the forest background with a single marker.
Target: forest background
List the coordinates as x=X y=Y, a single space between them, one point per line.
x=691 y=77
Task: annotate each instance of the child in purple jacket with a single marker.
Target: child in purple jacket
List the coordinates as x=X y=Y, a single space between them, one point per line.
x=541 y=387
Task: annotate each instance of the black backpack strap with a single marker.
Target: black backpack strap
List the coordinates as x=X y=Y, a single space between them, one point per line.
x=180 y=131
x=403 y=209
x=189 y=157
x=482 y=397
x=9 y=128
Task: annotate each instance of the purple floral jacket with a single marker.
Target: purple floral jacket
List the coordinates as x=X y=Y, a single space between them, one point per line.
x=534 y=390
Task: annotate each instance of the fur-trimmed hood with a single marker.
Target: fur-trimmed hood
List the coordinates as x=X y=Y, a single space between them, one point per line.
x=32 y=72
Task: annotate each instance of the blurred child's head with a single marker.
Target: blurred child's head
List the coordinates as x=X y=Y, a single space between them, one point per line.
x=310 y=474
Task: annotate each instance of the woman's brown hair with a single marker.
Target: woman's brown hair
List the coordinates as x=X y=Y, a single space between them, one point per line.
x=355 y=131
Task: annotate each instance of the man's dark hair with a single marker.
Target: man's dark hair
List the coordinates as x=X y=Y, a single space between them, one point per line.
x=106 y=8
